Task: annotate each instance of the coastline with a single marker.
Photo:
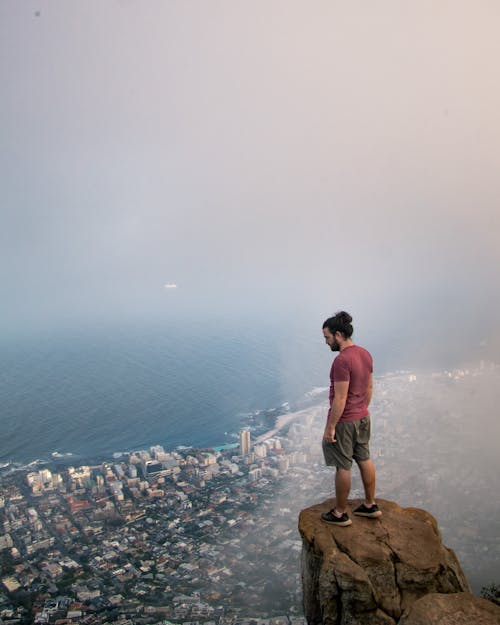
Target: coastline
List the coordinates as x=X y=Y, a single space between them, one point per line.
x=61 y=460
x=285 y=420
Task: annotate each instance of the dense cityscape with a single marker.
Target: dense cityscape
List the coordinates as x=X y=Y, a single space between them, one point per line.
x=151 y=536
x=210 y=535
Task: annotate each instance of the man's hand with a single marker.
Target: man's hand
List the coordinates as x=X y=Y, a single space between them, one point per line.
x=329 y=435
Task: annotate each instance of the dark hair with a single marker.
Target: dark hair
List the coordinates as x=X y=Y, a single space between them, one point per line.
x=340 y=322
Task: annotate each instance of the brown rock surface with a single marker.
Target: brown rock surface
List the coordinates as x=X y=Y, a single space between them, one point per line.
x=457 y=609
x=373 y=570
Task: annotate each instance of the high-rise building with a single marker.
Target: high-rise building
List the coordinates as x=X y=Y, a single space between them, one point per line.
x=244 y=443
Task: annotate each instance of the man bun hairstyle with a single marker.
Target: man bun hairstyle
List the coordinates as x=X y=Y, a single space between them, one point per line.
x=340 y=322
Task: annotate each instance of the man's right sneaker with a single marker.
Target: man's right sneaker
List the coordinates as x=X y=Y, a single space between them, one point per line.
x=331 y=517
x=372 y=512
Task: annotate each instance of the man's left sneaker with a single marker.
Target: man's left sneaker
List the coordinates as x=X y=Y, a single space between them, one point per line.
x=372 y=512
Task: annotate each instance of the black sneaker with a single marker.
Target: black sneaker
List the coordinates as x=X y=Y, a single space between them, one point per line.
x=331 y=517
x=372 y=512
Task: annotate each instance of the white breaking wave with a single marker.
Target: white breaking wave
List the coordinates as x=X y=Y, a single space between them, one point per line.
x=317 y=390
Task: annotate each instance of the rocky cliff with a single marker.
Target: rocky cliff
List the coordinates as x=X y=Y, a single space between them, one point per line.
x=375 y=571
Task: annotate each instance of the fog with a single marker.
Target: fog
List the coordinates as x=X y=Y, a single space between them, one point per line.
x=270 y=159
x=434 y=446
x=277 y=161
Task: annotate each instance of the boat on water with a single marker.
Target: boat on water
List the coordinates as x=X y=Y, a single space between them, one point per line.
x=56 y=454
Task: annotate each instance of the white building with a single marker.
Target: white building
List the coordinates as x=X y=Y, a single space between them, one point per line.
x=244 y=443
x=260 y=451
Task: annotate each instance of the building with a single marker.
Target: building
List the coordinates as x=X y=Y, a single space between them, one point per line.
x=152 y=468
x=244 y=443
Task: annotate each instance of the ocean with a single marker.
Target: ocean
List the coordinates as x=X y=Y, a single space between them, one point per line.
x=103 y=389
x=99 y=388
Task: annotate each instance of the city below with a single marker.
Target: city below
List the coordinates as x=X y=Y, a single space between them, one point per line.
x=210 y=535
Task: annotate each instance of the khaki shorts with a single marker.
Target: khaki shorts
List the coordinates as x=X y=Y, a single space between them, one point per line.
x=351 y=443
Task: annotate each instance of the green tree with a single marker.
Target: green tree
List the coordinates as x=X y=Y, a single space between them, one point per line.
x=491 y=592
x=6 y=562
x=65 y=581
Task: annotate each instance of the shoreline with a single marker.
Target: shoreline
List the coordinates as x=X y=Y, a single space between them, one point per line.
x=314 y=405
x=287 y=419
x=65 y=459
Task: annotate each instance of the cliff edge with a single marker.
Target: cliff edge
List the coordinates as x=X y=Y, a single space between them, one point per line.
x=376 y=569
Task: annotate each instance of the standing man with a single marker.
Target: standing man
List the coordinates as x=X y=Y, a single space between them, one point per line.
x=347 y=431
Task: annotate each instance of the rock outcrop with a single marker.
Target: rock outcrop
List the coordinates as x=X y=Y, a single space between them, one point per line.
x=375 y=570
x=456 y=609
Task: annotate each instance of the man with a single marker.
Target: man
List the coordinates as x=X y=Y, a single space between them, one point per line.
x=347 y=431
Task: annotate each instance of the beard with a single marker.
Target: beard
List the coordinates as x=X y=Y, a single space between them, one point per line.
x=335 y=347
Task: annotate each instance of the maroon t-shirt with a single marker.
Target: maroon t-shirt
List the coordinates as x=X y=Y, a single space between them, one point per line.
x=354 y=364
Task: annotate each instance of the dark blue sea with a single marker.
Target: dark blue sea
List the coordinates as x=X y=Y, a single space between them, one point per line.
x=100 y=388
x=103 y=389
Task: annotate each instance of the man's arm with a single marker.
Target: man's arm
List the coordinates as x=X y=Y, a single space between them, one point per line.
x=338 y=405
x=370 y=390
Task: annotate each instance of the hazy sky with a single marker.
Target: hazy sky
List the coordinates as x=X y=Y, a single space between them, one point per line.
x=265 y=156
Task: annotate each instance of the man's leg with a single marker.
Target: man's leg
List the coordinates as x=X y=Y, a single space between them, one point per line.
x=342 y=488
x=367 y=470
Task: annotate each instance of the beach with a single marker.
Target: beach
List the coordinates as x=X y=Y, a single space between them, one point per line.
x=287 y=419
